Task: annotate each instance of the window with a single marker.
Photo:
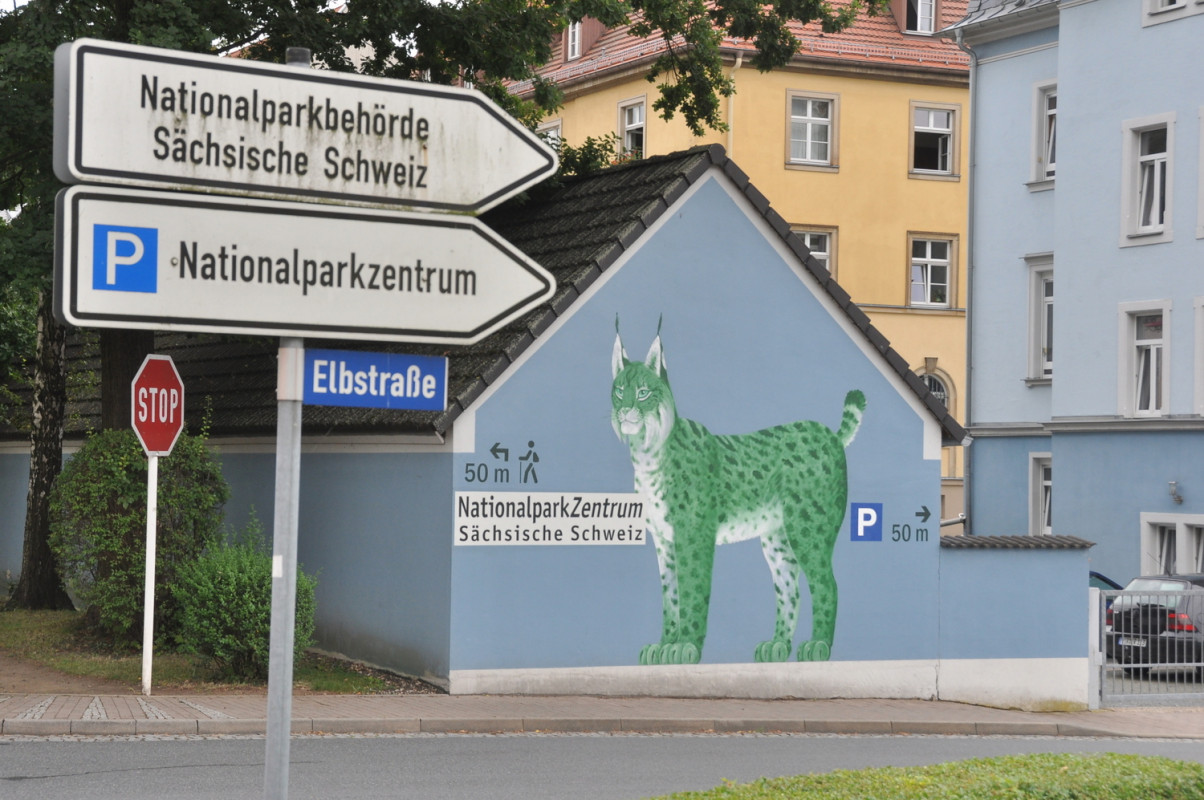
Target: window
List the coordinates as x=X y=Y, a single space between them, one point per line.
x=937 y=387
x=1041 y=318
x=1040 y=494
x=551 y=132
x=811 y=139
x=822 y=244
x=1151 y=180
x=1144 y=377
x=930 y=272
x=1158 y=11
x=1146 y=181
x=572 y=41
x=631 y=128
x=921 y=16
x=1172 y=544
x=1148 y=376
x=1046 y=149
x=933 y=140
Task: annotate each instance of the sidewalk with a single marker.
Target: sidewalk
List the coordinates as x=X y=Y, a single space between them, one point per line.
x=51 y=715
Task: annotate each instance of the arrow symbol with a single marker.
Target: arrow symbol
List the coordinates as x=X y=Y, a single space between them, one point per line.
x=505 y=452
x=923 y=513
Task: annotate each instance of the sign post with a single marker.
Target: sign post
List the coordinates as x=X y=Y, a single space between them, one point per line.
x=157 y=416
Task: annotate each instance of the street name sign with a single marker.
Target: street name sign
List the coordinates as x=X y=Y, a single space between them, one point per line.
x=144 y=116
x=356 y=379
x=129 y=258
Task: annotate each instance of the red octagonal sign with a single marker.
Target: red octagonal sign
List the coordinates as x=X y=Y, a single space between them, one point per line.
x=157 y=405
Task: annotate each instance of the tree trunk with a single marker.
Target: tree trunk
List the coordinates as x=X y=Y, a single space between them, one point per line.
x=40 y=585
x=121 y=354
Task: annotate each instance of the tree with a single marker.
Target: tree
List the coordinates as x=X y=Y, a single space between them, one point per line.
x=488 y=42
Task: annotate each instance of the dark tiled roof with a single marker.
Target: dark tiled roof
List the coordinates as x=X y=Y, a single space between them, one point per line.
x=575 y=229
x=983 y=11
x=1015 y=543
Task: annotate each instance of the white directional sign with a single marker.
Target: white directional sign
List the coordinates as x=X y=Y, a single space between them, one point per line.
x=173 y=261
x=143 y=116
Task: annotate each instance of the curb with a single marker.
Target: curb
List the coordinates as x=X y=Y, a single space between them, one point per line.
x=317 y=725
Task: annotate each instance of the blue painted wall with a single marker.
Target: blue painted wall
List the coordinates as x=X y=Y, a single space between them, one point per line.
x=1013 y=603
x=14 y=486
x=747 y=346
x=370 y=528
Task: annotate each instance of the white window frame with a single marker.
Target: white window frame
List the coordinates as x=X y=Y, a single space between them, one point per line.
x=1129 y=361
x=1186 y=540
x=552 y=131
x=926 y=126
x=1155 y=12
x=925 y=23
x=1044 y=136
x=1200 y=177
x=1198 y=355
x=1040 y=307
x=1133 y=230
x=809 y=233
x=625 y=127
x=572 y=41
x=927 y=262
x=831 y=162
x=1040 y=494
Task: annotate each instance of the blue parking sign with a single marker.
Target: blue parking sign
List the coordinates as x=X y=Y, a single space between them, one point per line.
x=865 y=522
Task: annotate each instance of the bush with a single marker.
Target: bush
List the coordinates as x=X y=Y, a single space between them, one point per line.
x=98 y=527
x=1042 y=776
x=225 y=601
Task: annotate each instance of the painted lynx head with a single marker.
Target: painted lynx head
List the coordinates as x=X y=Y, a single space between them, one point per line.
x=642 y=411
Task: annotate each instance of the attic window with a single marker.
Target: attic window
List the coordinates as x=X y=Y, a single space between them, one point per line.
x=572 y=45
x=921 y=16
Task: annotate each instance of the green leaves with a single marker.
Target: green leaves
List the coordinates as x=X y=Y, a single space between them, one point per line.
x=98 y=527
x=225 y=600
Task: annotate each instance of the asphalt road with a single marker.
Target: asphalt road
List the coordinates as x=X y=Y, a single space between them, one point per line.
x=498 y=767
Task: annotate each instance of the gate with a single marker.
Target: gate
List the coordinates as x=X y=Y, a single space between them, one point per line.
x=1148 y=647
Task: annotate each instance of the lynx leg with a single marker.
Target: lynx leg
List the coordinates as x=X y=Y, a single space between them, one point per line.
x=822 y=583
x=695 y=558
x=784 y=569
x=666 y=561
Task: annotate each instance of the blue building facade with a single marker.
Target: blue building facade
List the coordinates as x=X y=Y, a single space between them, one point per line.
x=1088 y=177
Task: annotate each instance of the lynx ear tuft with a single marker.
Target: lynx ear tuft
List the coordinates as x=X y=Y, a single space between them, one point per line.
x=618 y=357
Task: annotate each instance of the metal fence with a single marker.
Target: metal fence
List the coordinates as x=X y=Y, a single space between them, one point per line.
x=1148 y=647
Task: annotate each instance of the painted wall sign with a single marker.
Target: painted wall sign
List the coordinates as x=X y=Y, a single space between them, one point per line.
x=549 y=518
x=150 y=117
x=375 y=380
x=171 y=261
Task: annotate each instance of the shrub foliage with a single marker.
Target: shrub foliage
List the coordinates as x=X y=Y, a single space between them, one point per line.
x=98 y=527
x=225 y=602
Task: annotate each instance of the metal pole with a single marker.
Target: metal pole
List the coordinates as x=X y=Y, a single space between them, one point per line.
x=148 y=595
x=289 y=389
x=284 y=568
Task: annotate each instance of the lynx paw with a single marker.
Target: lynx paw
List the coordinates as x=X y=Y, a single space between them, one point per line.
x=773 y=650
x=814 y=651
x=671 y=653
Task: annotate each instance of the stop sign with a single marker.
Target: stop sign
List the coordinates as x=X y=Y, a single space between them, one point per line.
x=157 y=405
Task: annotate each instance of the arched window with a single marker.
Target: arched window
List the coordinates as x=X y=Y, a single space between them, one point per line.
x=937 y=387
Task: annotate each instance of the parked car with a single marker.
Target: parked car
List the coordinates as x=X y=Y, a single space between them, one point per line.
x=1158 y=619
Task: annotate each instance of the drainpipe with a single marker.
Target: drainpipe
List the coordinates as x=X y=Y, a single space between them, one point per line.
x=731 y=104
x=970 y=176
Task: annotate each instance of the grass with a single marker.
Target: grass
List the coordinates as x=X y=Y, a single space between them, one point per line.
x=57 y=639
x=1046 y=776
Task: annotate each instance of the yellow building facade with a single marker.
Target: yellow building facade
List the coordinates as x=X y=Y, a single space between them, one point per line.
x=861 y=144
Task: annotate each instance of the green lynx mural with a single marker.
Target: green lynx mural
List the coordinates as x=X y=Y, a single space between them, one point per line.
x=786 y=485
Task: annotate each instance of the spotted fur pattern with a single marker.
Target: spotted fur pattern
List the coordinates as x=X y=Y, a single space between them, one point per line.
x=786 y=486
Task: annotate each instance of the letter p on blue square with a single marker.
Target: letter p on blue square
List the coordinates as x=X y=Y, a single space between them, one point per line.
x=125 y=259
x=865 y=521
